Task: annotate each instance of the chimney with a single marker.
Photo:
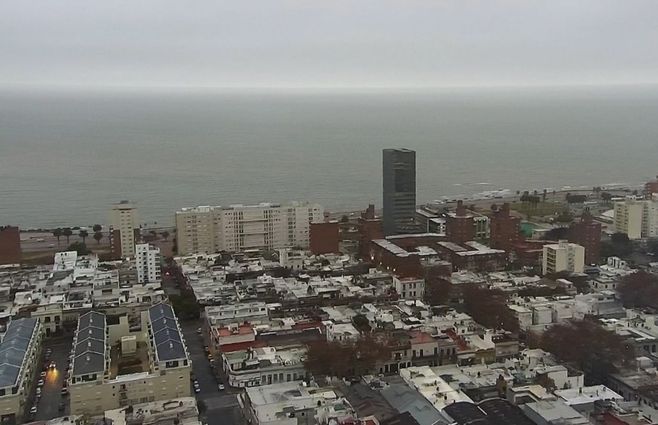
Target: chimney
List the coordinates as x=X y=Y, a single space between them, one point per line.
x=461 y=209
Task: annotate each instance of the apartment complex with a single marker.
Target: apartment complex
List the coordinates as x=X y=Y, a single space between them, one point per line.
x=117 y=364
x=209 y=229
x=563 y=256
x=19 y=364
x=399 y=168
x=123 y=222
x=147 y=262
x=637 y=218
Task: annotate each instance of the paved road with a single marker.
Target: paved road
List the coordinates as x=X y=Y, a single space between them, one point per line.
x=48 y=406
x=222 y=407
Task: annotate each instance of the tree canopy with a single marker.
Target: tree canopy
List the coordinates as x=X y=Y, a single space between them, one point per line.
x=588 y=346
x=488 y=307
x=345 y=360
x=639 y=290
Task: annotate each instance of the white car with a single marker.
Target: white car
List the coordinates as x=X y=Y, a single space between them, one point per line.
x=33 y=410
x=221 y=387
x=40 y=383
x=197 y=390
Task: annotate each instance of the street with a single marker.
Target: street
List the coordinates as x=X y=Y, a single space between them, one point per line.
x=222 y=407
x=51 y=397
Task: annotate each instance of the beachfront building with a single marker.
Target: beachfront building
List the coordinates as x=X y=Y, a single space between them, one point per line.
x=563 y=256
x=637 y=218
x=19 y=355
x=116 y=365
x=123 y=222
x=208 y=229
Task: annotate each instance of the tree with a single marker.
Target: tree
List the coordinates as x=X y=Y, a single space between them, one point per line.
x=165 y=235
x=564 y=217
x=97 y=228
x=639 y=290
x=58 y=234
x=556 y=234
x=605 y=196
x=83 y=234
x=652 y=246
x=79 y=247
x=67 y=233
x=346 y=359
x=361 y=323
x=618 y=246
x=98 y=236
x=488 y=307
x=588 y=346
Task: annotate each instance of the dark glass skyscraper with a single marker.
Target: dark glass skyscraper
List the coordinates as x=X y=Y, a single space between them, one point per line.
x=399 y=191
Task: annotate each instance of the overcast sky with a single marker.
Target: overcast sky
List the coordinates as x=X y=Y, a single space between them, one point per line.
x=327 y=43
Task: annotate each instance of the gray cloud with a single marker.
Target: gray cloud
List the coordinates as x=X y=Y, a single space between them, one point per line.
x=328 y=43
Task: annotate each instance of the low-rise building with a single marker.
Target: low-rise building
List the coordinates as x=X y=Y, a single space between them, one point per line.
x=264 y=366
x=292 y=403
x=410 y=288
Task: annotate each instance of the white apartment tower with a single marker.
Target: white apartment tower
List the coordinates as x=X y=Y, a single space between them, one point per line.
x=236 y=228
x=147 y=259
x=563 y=256
x=123 y=219
x=637 y=218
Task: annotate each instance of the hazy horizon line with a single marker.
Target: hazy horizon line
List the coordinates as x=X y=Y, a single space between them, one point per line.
x=73 y=87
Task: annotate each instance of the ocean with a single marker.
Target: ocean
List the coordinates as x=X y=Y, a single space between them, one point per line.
x=65 y=157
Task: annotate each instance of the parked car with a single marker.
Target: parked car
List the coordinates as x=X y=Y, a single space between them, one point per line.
x=40 y=383
x=33 y=410
x=221 y=387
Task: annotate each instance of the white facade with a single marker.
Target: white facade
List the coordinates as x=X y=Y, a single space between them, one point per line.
x=410 y=288
x=637 y=218
x=243 y=227
x=563 y=256
x=147 y=263
x=123 y=217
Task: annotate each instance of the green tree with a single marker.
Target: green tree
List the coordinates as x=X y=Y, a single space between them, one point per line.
x=361 y=323
x=79 y=247
x=588 y=346
x=58 y=234
x=67 y=233
x=98 y=236
x=97 y=228
x=639 y=290
x=488 y=307
x=346 y=359
x=83 y=234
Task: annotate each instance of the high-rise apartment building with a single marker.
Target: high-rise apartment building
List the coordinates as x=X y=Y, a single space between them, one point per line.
x=460 y=224
x=399 y=177
x=637 y=218
x=209 y=229
x=563 y=256
x=147 y=260
x=123 y=222
x=505 y=229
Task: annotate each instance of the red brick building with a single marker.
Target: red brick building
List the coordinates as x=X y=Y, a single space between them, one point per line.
x=324 y=237
x=649 y=188
x=505 y=229
x=472 y=256
x=370 y=227
x=528 y=253
x=587 y=233
x=460 y=225
x=10 y=245
x=409 y=255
